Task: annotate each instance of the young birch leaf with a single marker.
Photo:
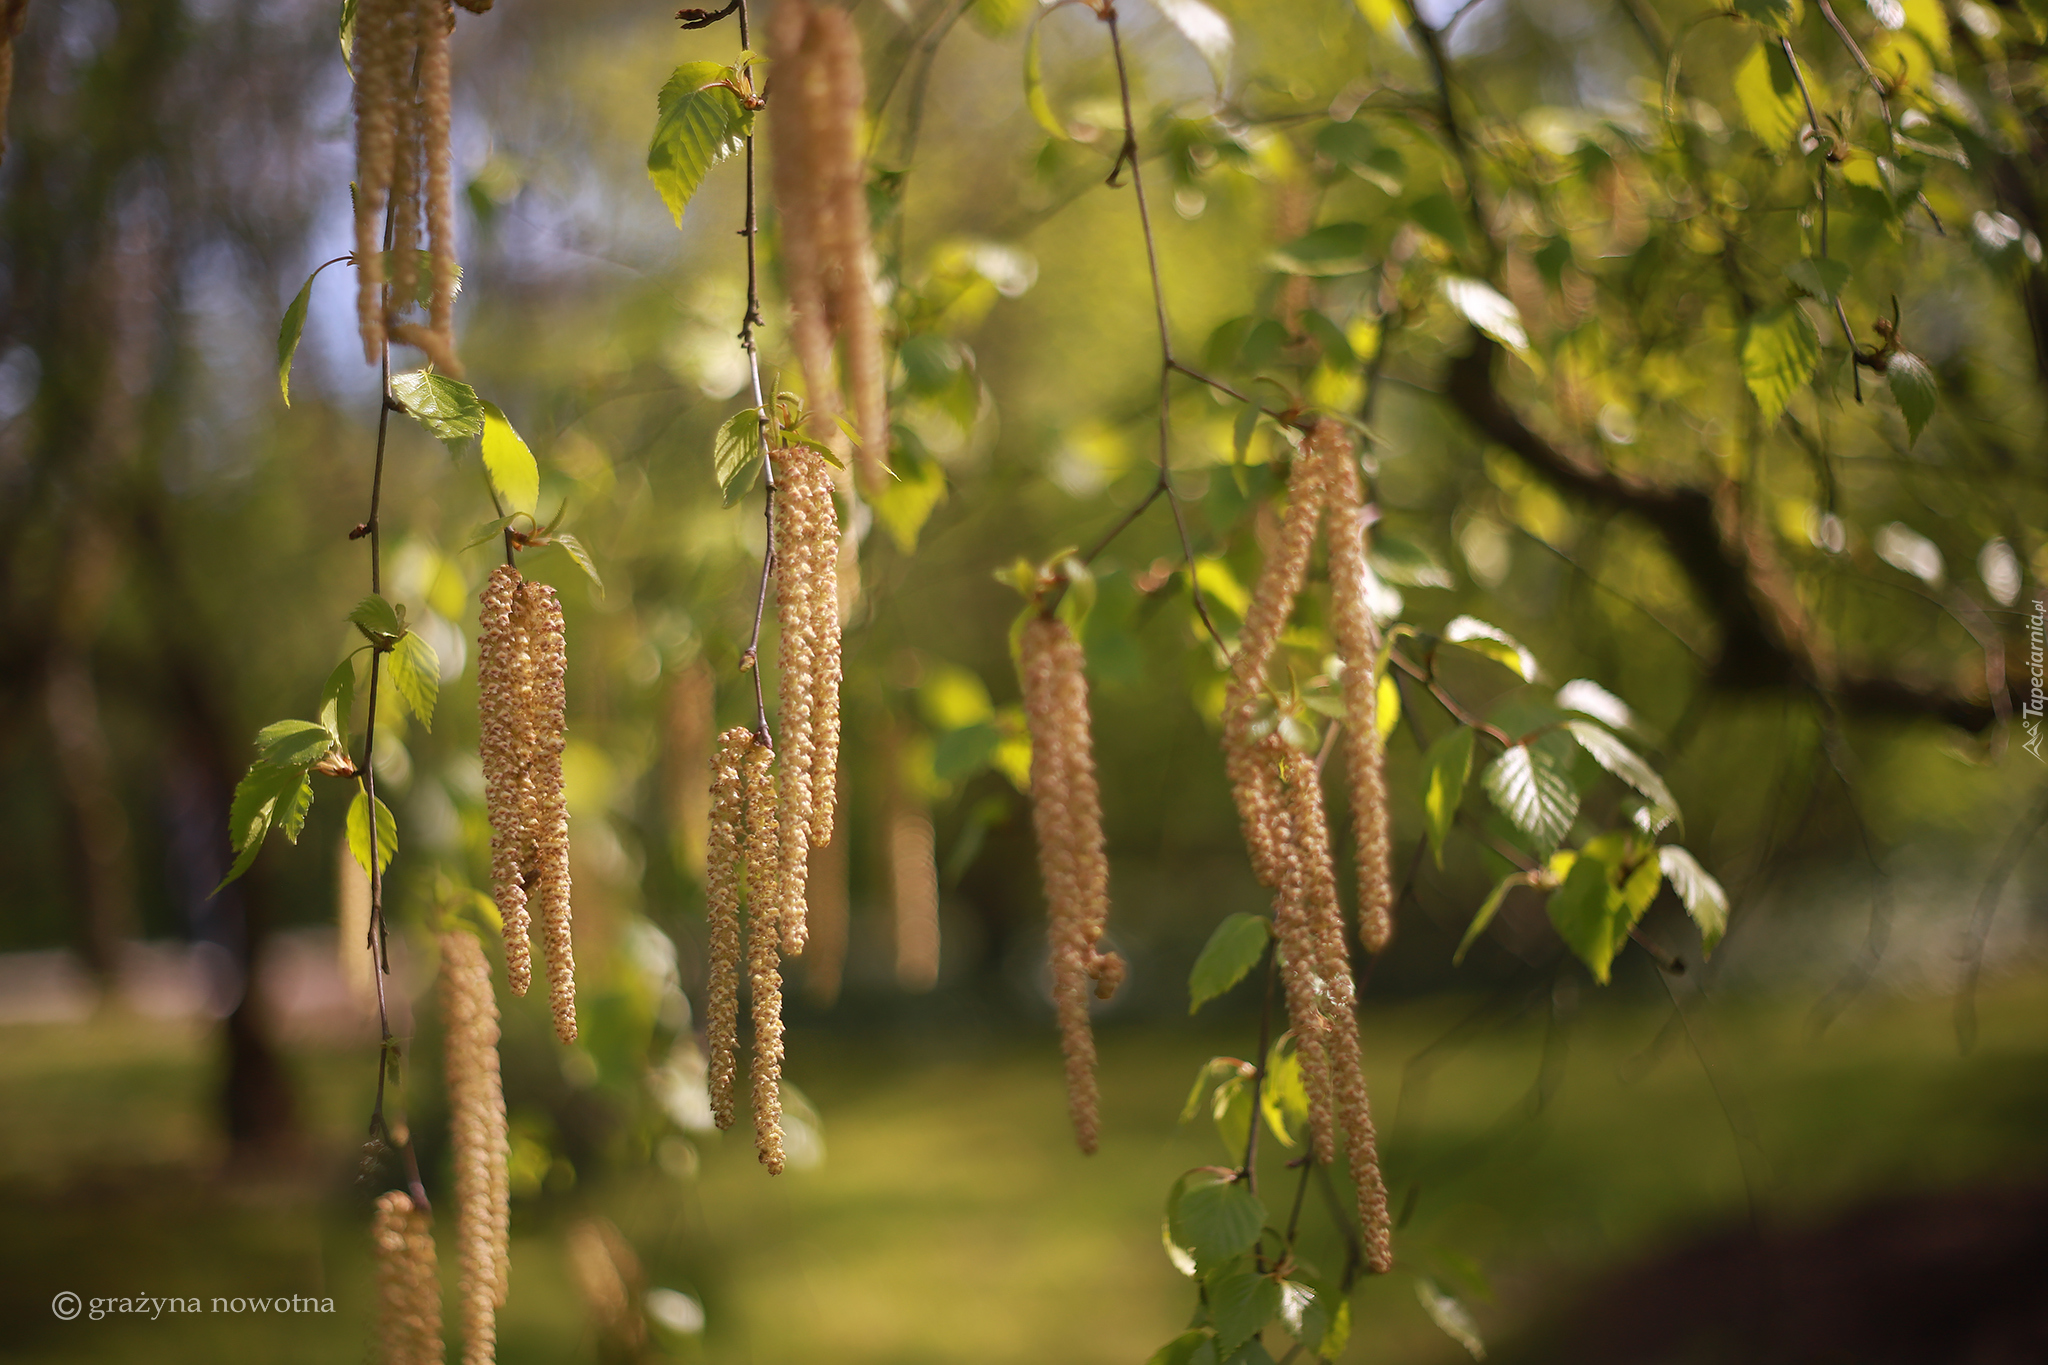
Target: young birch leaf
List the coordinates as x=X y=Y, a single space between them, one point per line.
x=1387 y=706
x=1589 y=698
x=348 y=35
x=1487 y=309
x=1912 y=386
x=1449 y=764
x=1283 y=1096
x=1487 y=909
x=489 y=531
x=292 y=744
x=1770 y=103
x=1206 y=30
x=448 y=408
x=288 y=333
x=416 y=673
x=736 y=454
x=1478 y=636
x=905 y=503
x=1586 y=912
x=1703 y=897
x=288 y=816
x=574 y=548
x=255 y=801
x=1819 y=278
x=1216 y=1218
x=698 y=123
x=1451 y=1316
x=1775 y=15
x=338 y=700
x=1779 y=352
x=511 y=466
x=1181 y=1350
x=1034 y=83
x=1240 y=1303
x=378 y=622
x=1625 y=763
x=359 y=832
x=1233 y=949
x=1530 y=787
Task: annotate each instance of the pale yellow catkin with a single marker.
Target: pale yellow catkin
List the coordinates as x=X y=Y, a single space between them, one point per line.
x=795 y=612
x=827 y=671
x=404 y=233
x=765 y=887
x=1296 y=940
x=436 y=21
x=408 y=1287
x=549 y=817
x=1358 y=641
x=723 y=854
x=379 y=70
x=1066 y=810
x=505 y=747
x=476 y=1103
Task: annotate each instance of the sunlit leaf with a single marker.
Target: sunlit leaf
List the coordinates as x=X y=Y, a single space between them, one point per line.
x=1215 y=1217
x=1240 y=1303
x=513 y=470
x=574 y=548
x=1034 y=82
x=292 y=744
x=1447 y=766
x=378 y=620
x=448 y=408
x=1769 y=97
x=736 y=454
x=1913 y=388
x=1624 y=762
x=1585 y=912
x=1495 y=643
x=1206 y=30
x=906 y=502
x=1487 y=309
x=1452 y=1317
x=1589 y=698
x=1181 y=1350
x=1386 y=705
x=337 y=701
x=1233 y=949
x=359 y=832
x=1333 y=249
x=1283 y=1094
x=698 y=123
x=1487 y=909
x=1775 y=15
x=288 y=333
x=1701 y=894
x=416 y=674
x=1780 y=349
x=1531 y=788
x=1404 y=562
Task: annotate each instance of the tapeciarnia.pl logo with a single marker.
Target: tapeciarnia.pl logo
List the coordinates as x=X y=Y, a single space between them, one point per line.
x=2037 y=674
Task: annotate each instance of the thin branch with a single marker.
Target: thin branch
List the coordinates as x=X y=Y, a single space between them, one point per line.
x=1250 y=1174
x=1813 y=121
x=750 y=661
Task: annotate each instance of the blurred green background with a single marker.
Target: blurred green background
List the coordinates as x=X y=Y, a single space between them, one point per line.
x=185 y=1079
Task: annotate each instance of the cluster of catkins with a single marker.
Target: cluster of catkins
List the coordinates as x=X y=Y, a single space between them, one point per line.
x=520 y=667
x=1066 y=813
x=1279 y=798
x=821 y=199
x=403 y=110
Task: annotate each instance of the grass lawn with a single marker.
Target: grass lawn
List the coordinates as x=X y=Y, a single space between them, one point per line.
x=951 y=1219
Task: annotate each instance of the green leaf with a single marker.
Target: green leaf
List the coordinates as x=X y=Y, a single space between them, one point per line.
x=1241 y=1302
x=448 y=408
x=416 y=673
x=1386 y=705
x=511 y=466
x=698 y=123
x=1587 y=912
x=1625 y=763
x=1241 y=431
x=1913 y=389
x=573 y=547
x=905 y=503
x=359 y=832
x=1769 y=97
x=338 y=700
x=1000 y=18
x=1212 y=1070
x=1231 y=1110
x=736 y=454
x=1330 y=339
x=1181 y=1350
x=1327 y=1330
x=1531 y=788
x=348 y=32
x=1215 y=1217
x=961 y=753
x=1448 y=764
x=1283 y=1095
x=1206 y=30
x=1406 y=563
x=1819 y=277
x=1233 y=949
x=292 y=744
x=1780 y=349
x=1334 y=249
x=255 y=802
x=1487 y=909
x=288 y=333
x=1034 y=83
x=1481 y=638
x=1451 y=1316
x=1437 y=215
x=1703 y=897
x=378 y=621
x=490 y=530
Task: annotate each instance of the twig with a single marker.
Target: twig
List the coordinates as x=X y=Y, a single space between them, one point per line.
x=1250 y=1174
x=750 y=661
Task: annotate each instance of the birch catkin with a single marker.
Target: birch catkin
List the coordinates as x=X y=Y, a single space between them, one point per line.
x=1358 y=642
x=504 y=663
x=796 y=618
x=549 y=816
x=1066 y=812
x=379 y=69
x=408 y=1289
x=765 y=885
x=723 y=871
x=476 y=1102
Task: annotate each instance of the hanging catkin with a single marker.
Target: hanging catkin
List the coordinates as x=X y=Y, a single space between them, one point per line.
x=504 y=667
x=1295 y=933
x=380 y=70
x=549 y=818
x=821 y=200
x=1066 y=812
x=476 y=1103
x=408 y=1288
x=722 y=857
x=826 y=668
x=765 y=885
x=1358 y=642
x=796 y=602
